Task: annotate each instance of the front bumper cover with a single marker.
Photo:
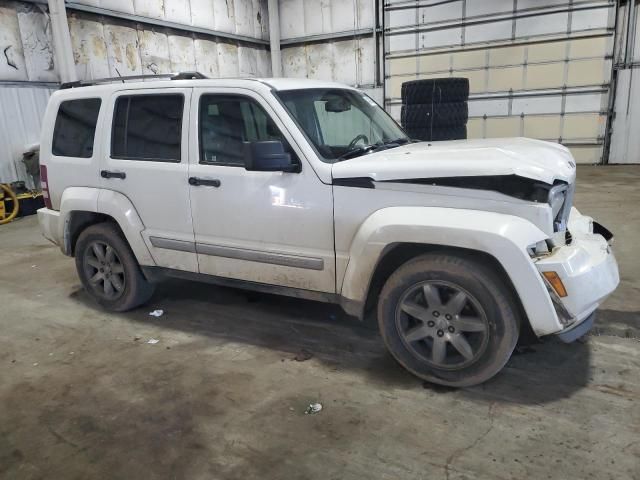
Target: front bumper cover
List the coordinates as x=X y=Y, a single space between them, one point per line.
x=589 y=273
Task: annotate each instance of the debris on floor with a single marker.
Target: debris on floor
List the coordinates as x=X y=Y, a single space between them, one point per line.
x=303 y=355
x=313 y=408
x=153 y=341
x=156 y=313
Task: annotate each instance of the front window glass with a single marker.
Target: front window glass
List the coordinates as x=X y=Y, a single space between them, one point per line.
x=342 y=123
x=227 y=122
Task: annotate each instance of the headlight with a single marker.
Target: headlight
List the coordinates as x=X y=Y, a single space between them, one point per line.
x=557 y=197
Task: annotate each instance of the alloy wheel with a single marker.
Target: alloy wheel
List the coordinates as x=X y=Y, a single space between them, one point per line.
x=104 y=270
x=443 y=324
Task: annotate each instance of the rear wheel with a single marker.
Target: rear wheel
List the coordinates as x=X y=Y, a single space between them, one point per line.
x=109 y=270
x=449 y=320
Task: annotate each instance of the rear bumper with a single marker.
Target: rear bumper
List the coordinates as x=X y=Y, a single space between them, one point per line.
x=49 y=221
x=589 y=273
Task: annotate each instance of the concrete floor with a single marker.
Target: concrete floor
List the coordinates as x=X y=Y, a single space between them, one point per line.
x=222 y=396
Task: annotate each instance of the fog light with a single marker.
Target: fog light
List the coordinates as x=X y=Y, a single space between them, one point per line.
x=556 y=283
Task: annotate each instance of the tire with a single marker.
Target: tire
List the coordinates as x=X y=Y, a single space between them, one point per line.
x=423 y=115
x=128 y=287
x=435 y=90
x=437 y=134
x=488 y=322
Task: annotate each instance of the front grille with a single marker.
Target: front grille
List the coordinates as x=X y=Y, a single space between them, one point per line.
x=562 y=219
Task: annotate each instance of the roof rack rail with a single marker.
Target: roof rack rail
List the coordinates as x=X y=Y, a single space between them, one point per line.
x=97 y=81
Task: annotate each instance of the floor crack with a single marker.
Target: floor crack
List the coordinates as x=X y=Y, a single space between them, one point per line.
x=457 y=453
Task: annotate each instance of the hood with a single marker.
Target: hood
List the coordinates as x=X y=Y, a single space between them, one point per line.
x=524 y=157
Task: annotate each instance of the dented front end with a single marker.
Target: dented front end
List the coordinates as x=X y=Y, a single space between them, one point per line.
x=580 y=272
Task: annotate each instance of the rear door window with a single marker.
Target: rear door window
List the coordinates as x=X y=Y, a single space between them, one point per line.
x=147 y=127
x=75 y=128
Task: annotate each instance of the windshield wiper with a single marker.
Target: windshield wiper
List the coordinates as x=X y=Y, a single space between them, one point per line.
x=372 y=148
x=357 y=150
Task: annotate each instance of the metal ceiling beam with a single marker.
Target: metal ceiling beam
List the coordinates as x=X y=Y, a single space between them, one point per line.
x=323 y=37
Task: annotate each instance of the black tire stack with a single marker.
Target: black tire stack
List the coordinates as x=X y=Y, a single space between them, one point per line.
x=435 y=109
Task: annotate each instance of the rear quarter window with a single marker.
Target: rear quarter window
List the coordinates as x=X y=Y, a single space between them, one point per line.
x=75 y=128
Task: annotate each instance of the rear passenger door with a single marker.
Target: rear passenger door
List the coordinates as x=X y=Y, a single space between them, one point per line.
x=146 y=159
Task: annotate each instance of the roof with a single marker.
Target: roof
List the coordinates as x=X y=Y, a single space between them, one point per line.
x=193 y=79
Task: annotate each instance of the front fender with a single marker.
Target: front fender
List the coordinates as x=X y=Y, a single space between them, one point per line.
x=504 y=237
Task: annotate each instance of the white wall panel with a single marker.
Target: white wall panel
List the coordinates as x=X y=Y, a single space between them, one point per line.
x=178 y=11
x=12 y=63
x=319 y=61
x=182 y=54
x=206 y=53
x=247 y=62
x=485 y=7
x=228 y=60
x=122 y=49
x=117 y=48
x=37 y=46
x=484 y=33
x=347 y=61
x=300 y=18
x=542 y=25
x=244 y=17
x=592 y=19
x=202 y=13
x=149 y=8
x=125 y=6
x=89 y=47
x=154 y=52
x=446 y=12
x=20 y=123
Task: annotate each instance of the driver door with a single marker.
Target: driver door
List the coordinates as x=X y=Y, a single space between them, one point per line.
x=271 y=228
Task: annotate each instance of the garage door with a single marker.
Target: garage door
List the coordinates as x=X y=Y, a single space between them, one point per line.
x=536 y=68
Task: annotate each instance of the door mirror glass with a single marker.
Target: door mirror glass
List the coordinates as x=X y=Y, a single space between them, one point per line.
x=268 y=156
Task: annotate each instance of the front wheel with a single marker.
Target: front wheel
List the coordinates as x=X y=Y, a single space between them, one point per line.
x=449 y=320
x=109 y=270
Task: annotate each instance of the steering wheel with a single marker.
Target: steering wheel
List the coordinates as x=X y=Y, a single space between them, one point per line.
x=353 y=142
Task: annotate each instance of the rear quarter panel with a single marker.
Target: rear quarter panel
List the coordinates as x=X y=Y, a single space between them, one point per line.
x=64 y=172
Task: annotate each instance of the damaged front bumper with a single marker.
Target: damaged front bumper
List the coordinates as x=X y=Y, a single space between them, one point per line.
x=587 y=271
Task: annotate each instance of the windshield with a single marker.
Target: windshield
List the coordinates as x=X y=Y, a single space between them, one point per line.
x=342 y=123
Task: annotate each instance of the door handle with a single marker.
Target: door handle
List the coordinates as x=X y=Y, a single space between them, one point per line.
x=196 y=182
x=108 y=174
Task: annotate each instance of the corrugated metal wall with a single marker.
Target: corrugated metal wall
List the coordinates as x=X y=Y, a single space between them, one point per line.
x=103 y=47
x=20 y=118
x=25 y=43
x=330 y=40
x=537 y=68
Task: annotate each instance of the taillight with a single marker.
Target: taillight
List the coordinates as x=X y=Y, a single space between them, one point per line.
x=44 y=183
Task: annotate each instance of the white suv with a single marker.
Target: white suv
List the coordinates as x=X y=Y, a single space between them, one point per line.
x=309 y=189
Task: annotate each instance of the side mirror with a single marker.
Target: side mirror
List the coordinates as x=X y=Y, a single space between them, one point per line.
x=268 y=156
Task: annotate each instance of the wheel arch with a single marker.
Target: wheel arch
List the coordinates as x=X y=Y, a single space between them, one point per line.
x=82 y=207
x=391 y=236
x=397 y=254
